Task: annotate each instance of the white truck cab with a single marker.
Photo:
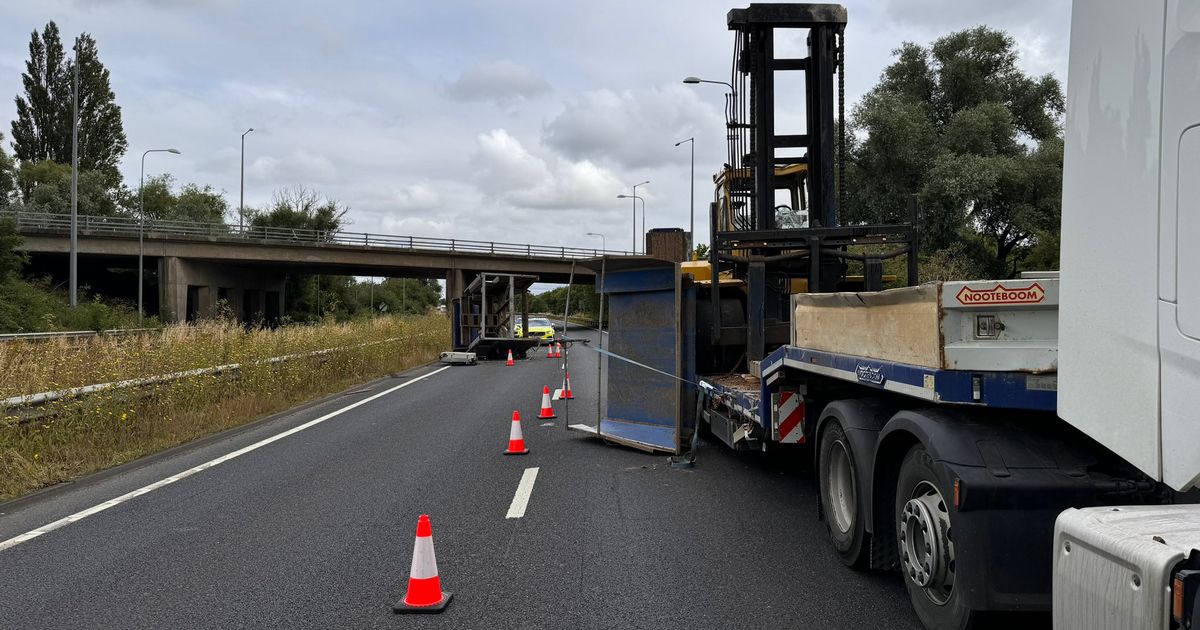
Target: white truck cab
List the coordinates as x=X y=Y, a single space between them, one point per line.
x=1129 y=319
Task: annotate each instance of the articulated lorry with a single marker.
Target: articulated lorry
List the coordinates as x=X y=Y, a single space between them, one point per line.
x=1025 y=444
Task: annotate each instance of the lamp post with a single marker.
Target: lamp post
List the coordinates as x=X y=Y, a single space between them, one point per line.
x=692 y=228
x=637 y=198
x=73 y=263
x=603 y=246
x=695 y=80
x=242 y=194
x=142 y=223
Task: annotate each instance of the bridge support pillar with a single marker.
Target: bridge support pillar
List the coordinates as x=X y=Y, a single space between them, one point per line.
x=454 y=290
x=191 y=290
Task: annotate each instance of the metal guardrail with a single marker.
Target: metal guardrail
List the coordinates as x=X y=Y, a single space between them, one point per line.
x=122 y=226
x=73 y=334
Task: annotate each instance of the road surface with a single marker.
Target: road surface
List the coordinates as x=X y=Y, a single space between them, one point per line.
x=315 y=529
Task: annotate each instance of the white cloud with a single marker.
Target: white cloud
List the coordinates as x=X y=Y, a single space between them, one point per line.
x=501 y=81
x=296 y=168
x=636 y=129
x=509 y=172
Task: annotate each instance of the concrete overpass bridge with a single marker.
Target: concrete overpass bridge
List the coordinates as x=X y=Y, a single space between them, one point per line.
x=196 y=264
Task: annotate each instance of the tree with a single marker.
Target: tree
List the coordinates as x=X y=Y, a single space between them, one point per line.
x=42 y=129
x=405 y=295
x=302 y=208
x=41 y=114
x=974 y=139
x=191 y=203
x=8 y=183
x=46 y=187
x=12 y=259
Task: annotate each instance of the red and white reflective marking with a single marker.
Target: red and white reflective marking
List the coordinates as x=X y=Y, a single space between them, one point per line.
x=424 y=562
x=789 y=413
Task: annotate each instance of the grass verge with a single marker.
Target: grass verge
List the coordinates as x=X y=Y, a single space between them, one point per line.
x=67 y=438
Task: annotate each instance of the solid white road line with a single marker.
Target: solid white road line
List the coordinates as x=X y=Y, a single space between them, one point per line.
x=78 y=516
x=521 y=498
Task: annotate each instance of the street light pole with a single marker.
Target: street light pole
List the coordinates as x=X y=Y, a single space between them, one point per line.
x=142 y=223
x=692 y=228
x=695 y=80
x=603 y=244
x=73 y=272
x=635 y=200
x=242 y=195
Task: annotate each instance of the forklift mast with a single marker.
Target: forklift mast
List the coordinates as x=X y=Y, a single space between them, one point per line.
x=771 y=249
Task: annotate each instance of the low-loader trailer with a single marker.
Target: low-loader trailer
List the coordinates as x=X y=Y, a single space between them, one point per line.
x=1022 y=444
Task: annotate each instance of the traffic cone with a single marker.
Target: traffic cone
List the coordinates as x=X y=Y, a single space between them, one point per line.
x=558 y=350
x=567 y=388
x=516 y=441
x=547 y=410
x=425 y=593
x=509 y=362
x=550 y=350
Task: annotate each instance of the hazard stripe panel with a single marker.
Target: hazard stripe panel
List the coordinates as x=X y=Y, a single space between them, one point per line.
x=790 y=416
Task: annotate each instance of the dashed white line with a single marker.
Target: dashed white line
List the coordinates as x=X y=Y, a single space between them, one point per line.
x=524 y=490
x=100 y=507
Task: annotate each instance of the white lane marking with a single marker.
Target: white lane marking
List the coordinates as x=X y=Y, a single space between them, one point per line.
x=100 y=507
x=521 y=498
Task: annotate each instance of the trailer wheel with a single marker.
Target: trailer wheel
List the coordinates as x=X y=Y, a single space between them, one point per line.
x=840 y=496
x=925 y=543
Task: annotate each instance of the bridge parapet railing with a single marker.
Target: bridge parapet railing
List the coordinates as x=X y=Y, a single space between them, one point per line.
x=125 y=226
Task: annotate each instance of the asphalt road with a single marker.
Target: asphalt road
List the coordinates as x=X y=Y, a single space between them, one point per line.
x=315 y=530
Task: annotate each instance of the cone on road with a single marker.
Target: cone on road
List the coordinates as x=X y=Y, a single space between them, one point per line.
x=558 y=350
x=547 y=412
x=567 y=388
x=425 y=594
x=550 y=350
x=510 y=361
x=516 y=441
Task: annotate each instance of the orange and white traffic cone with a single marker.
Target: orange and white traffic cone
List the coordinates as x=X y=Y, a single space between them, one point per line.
x=516 y=441
x=550 y=350
x=558 y=350
x=425 y=593
x=510 y=361
x=567 y=388
x=547 y=412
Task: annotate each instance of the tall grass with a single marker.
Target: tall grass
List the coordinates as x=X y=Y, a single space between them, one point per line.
x=66 y=438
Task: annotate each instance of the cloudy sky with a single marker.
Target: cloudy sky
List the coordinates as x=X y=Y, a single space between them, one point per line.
x=516 y=121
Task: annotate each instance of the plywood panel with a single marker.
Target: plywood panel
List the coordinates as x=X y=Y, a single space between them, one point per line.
x=898 y=325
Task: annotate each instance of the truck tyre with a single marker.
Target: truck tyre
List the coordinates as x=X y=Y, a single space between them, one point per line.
x=840 y=496
x=925 y=544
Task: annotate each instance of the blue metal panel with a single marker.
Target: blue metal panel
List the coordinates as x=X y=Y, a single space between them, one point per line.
x=653 y=435
x=640 y=280
x=1006 y=390
x=650 y=322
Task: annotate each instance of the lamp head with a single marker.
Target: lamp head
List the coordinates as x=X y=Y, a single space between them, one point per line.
x=175 y=151
x=692 y=80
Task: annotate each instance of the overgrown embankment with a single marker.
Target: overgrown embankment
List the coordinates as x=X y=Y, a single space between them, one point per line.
x=70 y=436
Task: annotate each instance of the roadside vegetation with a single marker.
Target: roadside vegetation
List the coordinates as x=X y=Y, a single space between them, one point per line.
x=63 y=439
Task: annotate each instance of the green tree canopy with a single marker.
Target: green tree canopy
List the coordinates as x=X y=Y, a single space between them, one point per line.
x=192 y=202
x=45 y=186
x=976 y=140
x=301 y=208
x=8 y=182
x=12 y=259
x=42 y=129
